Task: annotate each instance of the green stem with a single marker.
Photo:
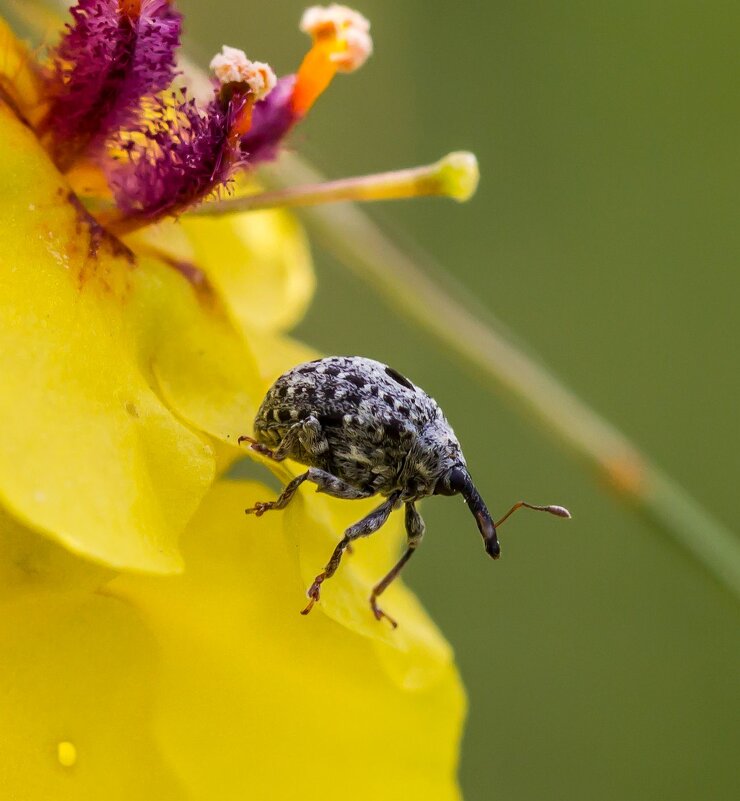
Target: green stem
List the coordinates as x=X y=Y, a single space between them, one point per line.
x=493 y=354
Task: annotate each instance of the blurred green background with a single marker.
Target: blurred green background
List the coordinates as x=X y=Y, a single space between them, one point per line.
x=600 y=661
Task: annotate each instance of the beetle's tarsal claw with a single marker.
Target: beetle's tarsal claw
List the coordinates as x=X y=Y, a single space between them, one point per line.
x=314 y=593
x=255 y=446
x=380 y=614
x=309 y=606
x=260 y=508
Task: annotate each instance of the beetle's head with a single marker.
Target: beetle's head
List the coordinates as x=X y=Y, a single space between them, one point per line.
x=457 y=481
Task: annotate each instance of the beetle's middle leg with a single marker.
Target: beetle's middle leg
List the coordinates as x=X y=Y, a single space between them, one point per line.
x=285 y=497
x=363 y=528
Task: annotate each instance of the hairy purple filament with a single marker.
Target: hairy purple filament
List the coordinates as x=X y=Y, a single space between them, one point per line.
x=161 y=153
x=179 y=158
x=112 y=56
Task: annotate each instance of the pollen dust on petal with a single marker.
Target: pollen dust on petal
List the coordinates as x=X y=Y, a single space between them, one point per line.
x=66 y=754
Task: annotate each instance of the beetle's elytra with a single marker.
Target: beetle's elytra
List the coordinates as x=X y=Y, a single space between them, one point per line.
x=363 y=429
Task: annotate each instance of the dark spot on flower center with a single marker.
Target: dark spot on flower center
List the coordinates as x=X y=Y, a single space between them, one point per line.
x=98 y=237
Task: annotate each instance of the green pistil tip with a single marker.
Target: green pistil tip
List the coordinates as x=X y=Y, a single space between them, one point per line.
x=458 y=175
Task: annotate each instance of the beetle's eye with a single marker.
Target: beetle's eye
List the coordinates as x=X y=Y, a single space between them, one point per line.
x=457 y=479
x=451 y=482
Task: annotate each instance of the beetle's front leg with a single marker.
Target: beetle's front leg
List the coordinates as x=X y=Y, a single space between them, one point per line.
x=306 y=436
x=258 y=447
x=287 y=447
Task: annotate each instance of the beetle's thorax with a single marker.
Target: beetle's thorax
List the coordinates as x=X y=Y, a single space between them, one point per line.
x=434 y=452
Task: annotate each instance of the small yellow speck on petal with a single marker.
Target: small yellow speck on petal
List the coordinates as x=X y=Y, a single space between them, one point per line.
x=66 y=754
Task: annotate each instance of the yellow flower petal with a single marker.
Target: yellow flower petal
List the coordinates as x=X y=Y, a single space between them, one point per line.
x=77 y=694
x=258 y=263
x=275 y=354
x=202 y=366
x=91 y=456
x=31 y=564
x=86 y=331
x=211 y=685
x=19 y=79
x=415 y=654
x=257 y=701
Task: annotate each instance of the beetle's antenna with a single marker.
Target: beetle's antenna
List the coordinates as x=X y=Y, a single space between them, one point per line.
x=558 y=511
x=486 y=526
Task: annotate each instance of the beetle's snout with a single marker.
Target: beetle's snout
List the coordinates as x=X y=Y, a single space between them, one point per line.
x=493 y=549
x=482 y=516
x=487 y=529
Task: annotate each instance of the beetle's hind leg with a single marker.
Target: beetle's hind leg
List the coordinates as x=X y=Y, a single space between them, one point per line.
x=363 y=528
x=414 y=533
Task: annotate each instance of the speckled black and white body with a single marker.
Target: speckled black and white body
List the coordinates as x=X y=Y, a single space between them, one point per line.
x=363 y=429
x=362 y=422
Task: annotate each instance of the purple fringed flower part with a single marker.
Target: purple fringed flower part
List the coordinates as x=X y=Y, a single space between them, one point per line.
x=178 y=159
x=153 y=63
x=112 y=56
x=272 y=119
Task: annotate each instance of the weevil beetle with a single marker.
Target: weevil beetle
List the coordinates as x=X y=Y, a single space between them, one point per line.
x=363 y=429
